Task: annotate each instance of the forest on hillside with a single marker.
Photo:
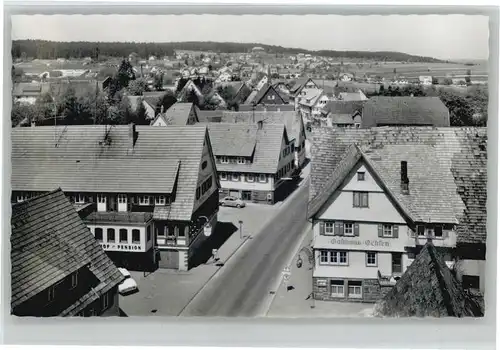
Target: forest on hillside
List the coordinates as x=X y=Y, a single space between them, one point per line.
x=43 y=49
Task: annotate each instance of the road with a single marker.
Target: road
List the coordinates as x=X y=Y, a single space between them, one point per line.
x=242 y=287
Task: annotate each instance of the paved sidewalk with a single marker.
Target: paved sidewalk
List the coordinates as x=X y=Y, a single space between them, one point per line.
x=296 y=302
x=166 y=292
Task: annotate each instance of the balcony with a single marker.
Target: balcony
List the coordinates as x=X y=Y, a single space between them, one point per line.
x=118 y=217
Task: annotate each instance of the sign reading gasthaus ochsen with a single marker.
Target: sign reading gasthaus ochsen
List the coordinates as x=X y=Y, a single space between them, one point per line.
x=361 y=242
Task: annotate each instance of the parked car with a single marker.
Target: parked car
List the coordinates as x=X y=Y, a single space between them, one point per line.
x=232 y=202
x=129 y=285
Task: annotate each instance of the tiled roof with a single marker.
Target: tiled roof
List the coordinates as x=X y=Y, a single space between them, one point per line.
x=134 y=101
x=343 y=107
x=49 y=242
x=455 y=156
x=404 y=110
x=291 y=119
x=209 y=116
x=352 y=96
x=79 y=163
x=428 y=288
x=270 y=108
x=299 y=83
x=310 y=97
x=267 y=147
x=178 y=113
x=257 y=96
x=233 y=139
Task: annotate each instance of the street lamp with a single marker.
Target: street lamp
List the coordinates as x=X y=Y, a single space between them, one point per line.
x=241 y=228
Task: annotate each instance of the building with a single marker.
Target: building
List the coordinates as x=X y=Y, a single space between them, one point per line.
x=126 y=174
x=267 y=95
x=377 y=196
x=425 y=79
x=134 y=102
x=405 y=111
x=311 y=102
x=300 y=84
x=292 y=120
x=342 y=114
x=253 y=160
x=266 y=108
x=27 y=93
x=429 y=288
x=352 y=96
x=178 y=114
x=58 y=269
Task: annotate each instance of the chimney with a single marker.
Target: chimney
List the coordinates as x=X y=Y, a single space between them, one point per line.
x=405 y=182
x=259 y=124
x=132 y=136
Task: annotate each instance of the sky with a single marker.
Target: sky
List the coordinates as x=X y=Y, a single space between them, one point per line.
x=439 y=36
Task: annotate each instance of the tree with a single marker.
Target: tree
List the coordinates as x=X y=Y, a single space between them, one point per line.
x=447 y=81
x=394 y=70
x=158 y=82
x=467 y=77
x=93 y=107
x=435 y=81
x=166 y=101
x=124 y=110
x=141 y=117
x=68 y=105
x=137 y=87
x=461 y=113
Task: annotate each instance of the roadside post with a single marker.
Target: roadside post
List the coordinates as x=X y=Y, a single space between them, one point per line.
x=286 y=276
x=241 y=228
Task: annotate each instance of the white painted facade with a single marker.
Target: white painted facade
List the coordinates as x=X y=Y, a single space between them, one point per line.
x=118 y=244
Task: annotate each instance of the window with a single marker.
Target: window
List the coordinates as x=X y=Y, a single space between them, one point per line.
x=235 y=177
x=354 y=289
x=123 y=235
x=224 y=160
x=21 y=198
x=98 y=234
x=136 y=236
x=162 y=233
x=470 y=282
x=160 y=200
x=204 y=165
x=337 y=288
x=176 y=231
x=206 y=185
x=331 y=257
x=329 y=227
x=250 y=178
x=357 y=125
x=122 y=198
x=143 y=200
x=110 y=233
x=361 y=176
x=360 y=199
x=241 y=160
x=348 y=229
x=101 y=198
x=223 y=176
x=198 y=193
x=148 y=233
x=371 y=259
x=51 y=293
x=74 y=280
x=438 y=231
x=79 y=198
x=104 y=301
x=387 y=230
x=184 y=233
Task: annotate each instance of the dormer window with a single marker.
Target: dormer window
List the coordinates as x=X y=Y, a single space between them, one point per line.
x=79 y=198
x=241 y=160
x=361 y=176
x=224 y=160
x=160 y=200
x=143 y=200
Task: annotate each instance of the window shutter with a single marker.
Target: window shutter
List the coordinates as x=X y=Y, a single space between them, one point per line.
x=356 y=229
x=355 y=199
x=395 y=231
x=336 y=229
x=380 y=230
x=321 y=227
x=341 y=228
x=446 y=234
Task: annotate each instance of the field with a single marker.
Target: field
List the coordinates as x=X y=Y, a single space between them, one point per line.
x=414 y=70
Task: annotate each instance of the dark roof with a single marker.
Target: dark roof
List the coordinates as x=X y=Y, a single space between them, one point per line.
x=455 y=156
x=80 y=163
x=300 y=83
x=404 y=110
x=178 y=113
x=257 y=96
x=429 y=288
x=343 y=107
x=49 y=242
x=267 y=142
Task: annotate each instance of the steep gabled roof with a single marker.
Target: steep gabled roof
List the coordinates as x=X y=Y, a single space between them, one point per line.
x=266 y=154
x=178 y=114
x=455 y=156
x=49 y=242
x=405 y=110
x=429 y=288
x=343 y=107
x=84 y=161
x=257 y=96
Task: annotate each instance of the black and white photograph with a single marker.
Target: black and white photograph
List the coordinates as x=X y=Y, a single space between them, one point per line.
x=276 y=166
